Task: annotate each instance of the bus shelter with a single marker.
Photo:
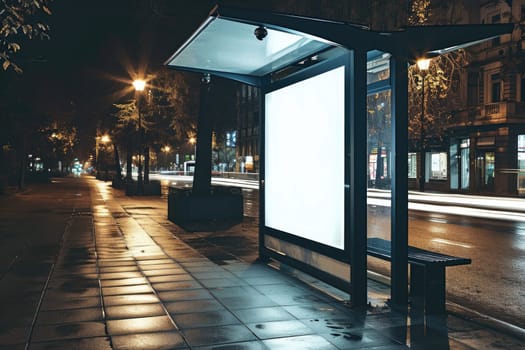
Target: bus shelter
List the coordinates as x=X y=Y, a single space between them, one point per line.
x=320 y=83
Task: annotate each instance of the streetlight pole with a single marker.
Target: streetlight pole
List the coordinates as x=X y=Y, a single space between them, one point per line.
x=423 y=65
x=139 y=86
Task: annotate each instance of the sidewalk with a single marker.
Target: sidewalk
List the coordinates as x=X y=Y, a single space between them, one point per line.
x=121 y=276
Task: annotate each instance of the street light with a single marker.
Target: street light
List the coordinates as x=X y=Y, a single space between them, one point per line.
x=103 y=139
x=139 y=86
x=423 y=65
x=193 y=141
x=166 y=149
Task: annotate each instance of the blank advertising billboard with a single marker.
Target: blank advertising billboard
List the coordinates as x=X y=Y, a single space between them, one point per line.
x=304 y=158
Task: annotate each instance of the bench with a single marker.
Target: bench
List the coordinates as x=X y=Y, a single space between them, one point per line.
x=427 y=272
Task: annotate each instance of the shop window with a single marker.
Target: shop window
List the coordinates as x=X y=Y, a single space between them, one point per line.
x=412 y=165
x=438 y=165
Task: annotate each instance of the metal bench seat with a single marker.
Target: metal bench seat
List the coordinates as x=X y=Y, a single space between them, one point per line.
x=427 y=271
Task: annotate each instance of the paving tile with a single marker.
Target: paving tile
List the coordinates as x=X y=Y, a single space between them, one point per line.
x=171 y=278
x=180 y=285
x=69 y=315
x=218 y=335
x=123 y=282
x=130 y=299
x=120 y=290
x=68 y=331
x=11 y=335
x=167 y=266
x=315 y=310
x=21 y=346
x=193 y=306
x=307 y=342
x=249 y=345
x=295 y=297
x=149 y=341
x=224 y=292
x=247 y=302
x=279 y=288
x=359 y=338
x=263 y=314
x=205 y=319
x=277 y=329
x=98 y=343
x=140 y=325
x=324 y=325
x=116 y=263
x=155 y=262
x=213 y=274
x=166 y=272
x=133 y=311
x=221 y=282
x=191 y=294
x=119 y=275
x=73 y=303
x=125 y=268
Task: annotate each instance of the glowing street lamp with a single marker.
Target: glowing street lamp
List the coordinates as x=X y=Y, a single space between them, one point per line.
x=193 y=141
x=139 y=85
x=166 y=149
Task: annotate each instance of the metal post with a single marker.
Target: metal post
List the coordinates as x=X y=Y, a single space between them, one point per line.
x=399 y=205
x=140 y=184
x=422 y=137
x=356 y=192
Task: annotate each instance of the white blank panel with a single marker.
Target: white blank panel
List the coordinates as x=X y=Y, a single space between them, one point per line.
x=304 y=158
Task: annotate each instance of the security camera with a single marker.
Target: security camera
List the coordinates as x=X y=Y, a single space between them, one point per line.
x=206 y=78
x=260 y=33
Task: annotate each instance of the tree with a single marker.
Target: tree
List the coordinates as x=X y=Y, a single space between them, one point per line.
x=20 y=19
x=430 y=113
x=167 y=116
x=125 y=133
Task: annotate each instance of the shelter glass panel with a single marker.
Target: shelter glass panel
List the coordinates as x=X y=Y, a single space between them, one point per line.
x=521 y=164
x=379 y=163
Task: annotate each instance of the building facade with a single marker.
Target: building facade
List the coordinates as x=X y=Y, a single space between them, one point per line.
x=484 y=148
x=481 y=151
x=248 y=118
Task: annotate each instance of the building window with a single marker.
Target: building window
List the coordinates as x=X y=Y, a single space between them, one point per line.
x=473 y=89
x=438 y=165
x=495 y=87
x=412 y=165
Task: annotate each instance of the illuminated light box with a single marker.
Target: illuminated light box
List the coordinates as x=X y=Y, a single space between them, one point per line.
x=304 y=158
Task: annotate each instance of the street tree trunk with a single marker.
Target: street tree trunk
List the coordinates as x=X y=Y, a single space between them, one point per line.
x=118 y=169
x=422 y=167
x=129 y=160
x=146 y=164
x=202 y=174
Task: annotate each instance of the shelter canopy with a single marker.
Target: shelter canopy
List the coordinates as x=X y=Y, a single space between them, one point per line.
x=225 y=43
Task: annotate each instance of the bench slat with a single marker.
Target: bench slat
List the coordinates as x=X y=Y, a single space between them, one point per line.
x=380 y=248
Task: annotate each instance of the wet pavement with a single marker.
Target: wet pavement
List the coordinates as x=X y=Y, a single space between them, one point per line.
x=100 y=270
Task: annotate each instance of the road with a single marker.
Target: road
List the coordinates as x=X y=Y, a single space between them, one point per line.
x=494 y=284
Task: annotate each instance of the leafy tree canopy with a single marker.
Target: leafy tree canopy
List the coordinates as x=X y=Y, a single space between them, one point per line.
x=20 y=19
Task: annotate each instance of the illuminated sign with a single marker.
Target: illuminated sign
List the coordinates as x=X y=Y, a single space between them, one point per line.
x=304 y=158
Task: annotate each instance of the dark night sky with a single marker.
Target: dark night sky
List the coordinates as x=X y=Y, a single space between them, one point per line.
x=95 y=48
